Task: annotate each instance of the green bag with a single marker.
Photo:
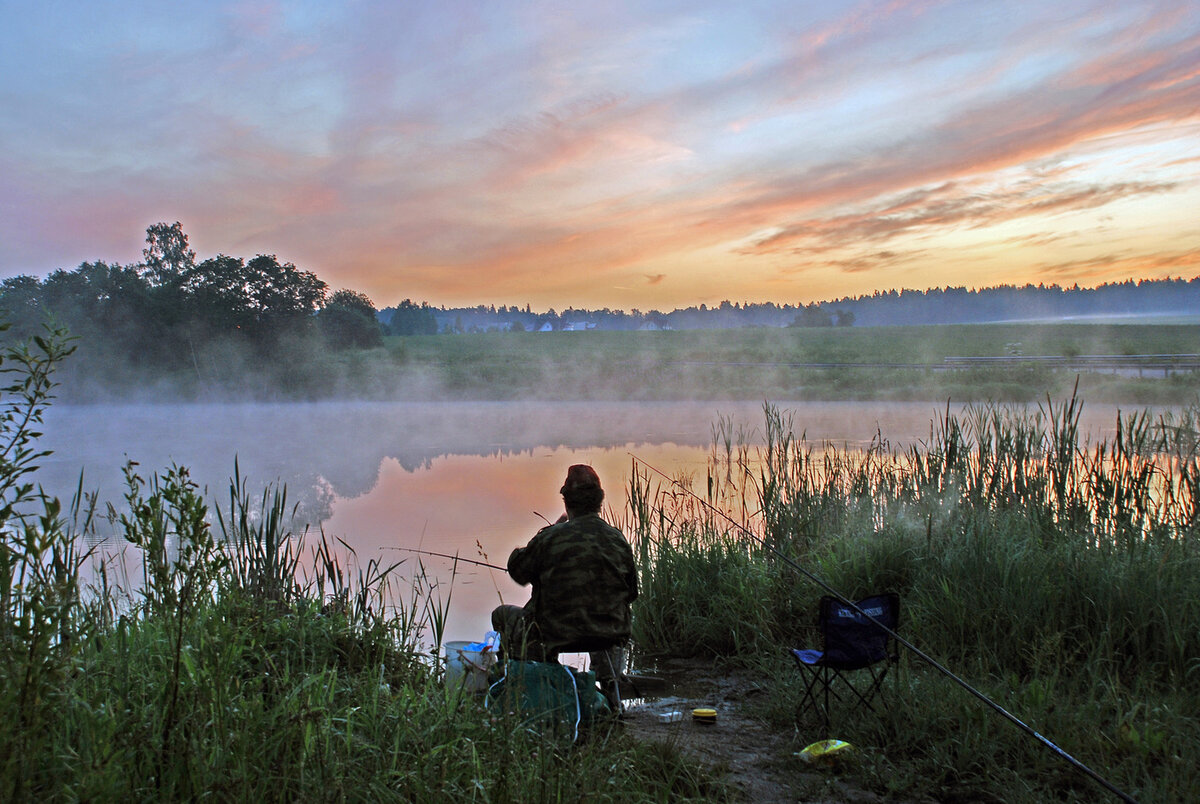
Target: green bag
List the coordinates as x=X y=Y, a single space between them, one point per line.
x=551 y=696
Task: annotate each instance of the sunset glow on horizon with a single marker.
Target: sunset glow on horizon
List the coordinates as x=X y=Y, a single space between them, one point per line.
x=627 y=155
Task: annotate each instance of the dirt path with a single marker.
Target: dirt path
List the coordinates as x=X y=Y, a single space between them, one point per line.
x=761 y=762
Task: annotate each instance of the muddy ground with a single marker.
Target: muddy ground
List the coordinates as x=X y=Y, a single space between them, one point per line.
x=762 y=762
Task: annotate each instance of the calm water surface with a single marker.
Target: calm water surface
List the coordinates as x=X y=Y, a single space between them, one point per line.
x=475 y=479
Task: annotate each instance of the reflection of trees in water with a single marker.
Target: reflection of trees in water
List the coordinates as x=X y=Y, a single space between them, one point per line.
x=325 y=450
x=312 y=498
x=351 y=443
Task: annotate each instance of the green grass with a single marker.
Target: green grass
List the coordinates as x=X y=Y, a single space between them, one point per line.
x=229 y=673
x=1060 y=579
x=737 y=364
x=751 y=364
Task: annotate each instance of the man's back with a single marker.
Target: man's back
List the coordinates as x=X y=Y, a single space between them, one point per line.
x=584 y=578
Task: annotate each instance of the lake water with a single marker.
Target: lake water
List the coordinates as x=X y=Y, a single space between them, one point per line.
x=473 y=479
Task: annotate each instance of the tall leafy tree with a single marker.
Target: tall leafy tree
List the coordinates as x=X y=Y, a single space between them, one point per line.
x=21 y=303
x=354 y=301
x=256 y=299
x=280 y=292
x=215 y=293
x=167 y=256
x=349 y=320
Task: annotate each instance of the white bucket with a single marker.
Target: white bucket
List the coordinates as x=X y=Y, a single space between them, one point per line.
x=468 y=667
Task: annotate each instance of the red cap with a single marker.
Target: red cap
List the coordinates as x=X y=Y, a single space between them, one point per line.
x=580 y=476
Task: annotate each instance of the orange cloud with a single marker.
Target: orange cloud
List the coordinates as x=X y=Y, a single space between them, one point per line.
x=1117 y=267
x=949 y=205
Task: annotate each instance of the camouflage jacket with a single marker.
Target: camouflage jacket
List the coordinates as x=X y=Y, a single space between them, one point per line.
x=583 y=577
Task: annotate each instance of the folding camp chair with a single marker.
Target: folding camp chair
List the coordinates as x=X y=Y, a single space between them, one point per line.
x=851 y=643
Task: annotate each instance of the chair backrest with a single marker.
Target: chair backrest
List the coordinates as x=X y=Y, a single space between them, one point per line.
x=852 y=640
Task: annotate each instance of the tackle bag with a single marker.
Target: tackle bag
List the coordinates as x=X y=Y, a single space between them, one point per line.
x=550 y=696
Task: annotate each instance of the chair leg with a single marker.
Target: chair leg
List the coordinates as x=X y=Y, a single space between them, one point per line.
x=867 y=696
x=827 y=680
x=613 y=661
x=815 y=676
x=821 y=693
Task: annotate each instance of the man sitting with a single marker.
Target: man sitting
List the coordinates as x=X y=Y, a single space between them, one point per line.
x=584 y=580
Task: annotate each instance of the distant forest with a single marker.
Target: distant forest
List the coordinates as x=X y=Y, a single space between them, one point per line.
x=173 y=325
x=1006 y=303
x=169 y=310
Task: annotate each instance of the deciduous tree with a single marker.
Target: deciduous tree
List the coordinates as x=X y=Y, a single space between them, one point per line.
x=349 y=320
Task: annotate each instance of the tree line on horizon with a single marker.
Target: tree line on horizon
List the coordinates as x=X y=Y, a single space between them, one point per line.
x=950 y=305
x=167 y=307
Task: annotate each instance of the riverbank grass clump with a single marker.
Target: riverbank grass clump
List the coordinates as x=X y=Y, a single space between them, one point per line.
x=1058 y=577
x=229 y=664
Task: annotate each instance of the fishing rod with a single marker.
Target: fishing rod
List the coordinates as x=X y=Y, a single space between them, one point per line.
x=447 y=555
x=901 y=640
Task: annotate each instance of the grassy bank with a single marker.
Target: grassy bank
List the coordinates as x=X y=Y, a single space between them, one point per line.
x=1061 y=579
x=234 y=666
x=752 y=363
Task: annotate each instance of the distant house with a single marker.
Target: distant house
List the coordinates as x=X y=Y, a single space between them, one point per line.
x=547 y=327
x=578 y=326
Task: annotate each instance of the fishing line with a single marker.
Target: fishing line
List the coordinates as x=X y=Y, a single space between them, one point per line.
x=491 y=577
x=447 y=555
x=901 y=640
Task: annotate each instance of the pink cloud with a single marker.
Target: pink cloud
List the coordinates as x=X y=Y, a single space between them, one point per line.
x=531 y=167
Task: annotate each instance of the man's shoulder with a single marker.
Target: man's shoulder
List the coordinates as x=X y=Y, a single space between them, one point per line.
x=590 y=523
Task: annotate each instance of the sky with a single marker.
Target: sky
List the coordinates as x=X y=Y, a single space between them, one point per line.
x=647 y=155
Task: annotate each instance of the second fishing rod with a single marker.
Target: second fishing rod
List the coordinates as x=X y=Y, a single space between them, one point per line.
x=794 y=565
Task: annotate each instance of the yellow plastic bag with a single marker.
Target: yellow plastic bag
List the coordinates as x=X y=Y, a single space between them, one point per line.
x=826 y=753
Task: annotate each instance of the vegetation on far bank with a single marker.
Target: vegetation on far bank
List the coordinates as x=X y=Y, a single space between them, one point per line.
x=753 y=364
x=183 y=327
x=1158 y=299
x=757 y=364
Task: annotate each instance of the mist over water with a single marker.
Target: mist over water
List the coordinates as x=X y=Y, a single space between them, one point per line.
x=337 y=450
x=473 y=479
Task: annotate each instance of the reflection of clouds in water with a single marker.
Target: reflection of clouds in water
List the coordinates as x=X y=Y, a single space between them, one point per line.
x=478 y=508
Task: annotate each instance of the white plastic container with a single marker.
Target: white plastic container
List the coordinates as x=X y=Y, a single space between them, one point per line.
x=468 y=667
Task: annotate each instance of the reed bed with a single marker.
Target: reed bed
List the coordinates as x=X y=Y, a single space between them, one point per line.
x=1058 y=574
x=241 y=666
